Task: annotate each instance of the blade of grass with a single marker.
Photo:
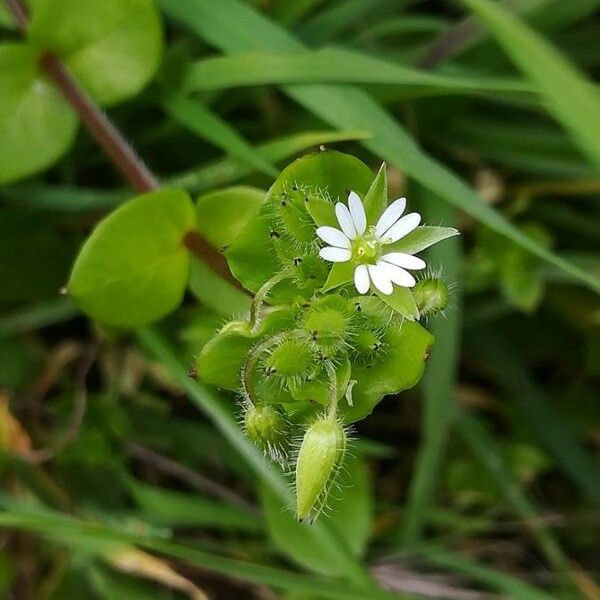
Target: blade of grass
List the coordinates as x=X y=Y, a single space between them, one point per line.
x=569 y=95
x=332 y=65
x=228 y=170
x=38 y=316
x=198 y=118
x=438 y=383
x=235 y=27
x=71 y=531
x=213 y=407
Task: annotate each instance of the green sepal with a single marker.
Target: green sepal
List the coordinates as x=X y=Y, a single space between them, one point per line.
x=340 y=274
x=421 y=238
x=402 y=301
x=399 y=367
x=375 y=200
x=322 y=211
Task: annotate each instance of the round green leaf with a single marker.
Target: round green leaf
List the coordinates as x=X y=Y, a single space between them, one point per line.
x=37 y=126
x=133 y=268
x=113 y=47
x=221 y=215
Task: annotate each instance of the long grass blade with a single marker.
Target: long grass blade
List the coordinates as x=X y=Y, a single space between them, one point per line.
x=570 y=96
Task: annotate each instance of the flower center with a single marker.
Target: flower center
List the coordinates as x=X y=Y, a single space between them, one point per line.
x=366 y=249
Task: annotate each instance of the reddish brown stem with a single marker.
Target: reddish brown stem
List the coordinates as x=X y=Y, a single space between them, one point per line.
x=104 y=132
x=113 y=143
x=198 y=246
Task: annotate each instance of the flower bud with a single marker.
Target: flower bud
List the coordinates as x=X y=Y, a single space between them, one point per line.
x=431 y=296
x=319 y=458
x=367 y=344
x=267 y=428
x=327 y=323
x=291 y=358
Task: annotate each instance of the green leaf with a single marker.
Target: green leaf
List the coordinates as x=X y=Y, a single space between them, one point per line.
x=399 y=367
x=78 y=533
x=220 y=362
x=376 y=199
x=334 y=65
x=570 y=97
x=177 y=509
x=402 y=301
x=133 y=268
x=421 y=238
x=254 y=255
x=222 y=215
x=350 y=518
x=37 y=126
x=113 y=47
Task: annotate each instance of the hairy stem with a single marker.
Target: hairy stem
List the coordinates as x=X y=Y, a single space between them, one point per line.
x=132 y=167
x=260 y=297
x=250 y=364
x=333 y=390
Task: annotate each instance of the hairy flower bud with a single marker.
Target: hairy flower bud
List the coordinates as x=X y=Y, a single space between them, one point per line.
x=319 y=458
x=291 y=358
x=327 y=322
x=431 y=295
x=267 y=428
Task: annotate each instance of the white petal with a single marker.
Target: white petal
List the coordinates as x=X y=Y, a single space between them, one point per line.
x=390 y=215
x=357 y=211
x=333 y=236
x=380 y=279
x=361 y=279
x=396 y=274
x=402 y=227
x=401 y=259
x=335 y=254
x=345 y=220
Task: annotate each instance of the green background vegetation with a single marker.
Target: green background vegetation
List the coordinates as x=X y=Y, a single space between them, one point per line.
x=122 y=477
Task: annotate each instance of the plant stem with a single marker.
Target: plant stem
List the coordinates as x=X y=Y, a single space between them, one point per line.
x=122 y=155
x=132 y=167
x=260 y=297
x=250 y=363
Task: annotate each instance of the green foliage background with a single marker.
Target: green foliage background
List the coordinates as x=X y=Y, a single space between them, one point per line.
x=128 y=479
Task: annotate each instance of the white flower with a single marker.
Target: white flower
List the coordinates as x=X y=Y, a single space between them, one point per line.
x=364 y=246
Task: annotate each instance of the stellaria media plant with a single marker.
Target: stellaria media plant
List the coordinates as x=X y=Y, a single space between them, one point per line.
x=334 y=324
x=338 y=296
